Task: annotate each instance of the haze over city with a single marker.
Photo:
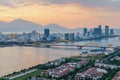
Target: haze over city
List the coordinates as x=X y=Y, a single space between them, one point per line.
x=59 y=39
x=68 y=13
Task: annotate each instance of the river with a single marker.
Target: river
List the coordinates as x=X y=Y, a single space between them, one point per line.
x=17 y=58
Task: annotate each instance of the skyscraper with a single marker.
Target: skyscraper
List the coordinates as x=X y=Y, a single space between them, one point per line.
x=71 y=36
x=96 y=31
x=106 y=30
x=46 y=32
x=85 y=32
x=12 y=36
x=100 y=30
x=67 y=36
x=111 y=31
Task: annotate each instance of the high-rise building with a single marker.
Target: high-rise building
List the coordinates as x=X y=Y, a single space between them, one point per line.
x=33 y=32
x=88 y=34
x=67 y=36
x=106 y=30
x=71 y=36
x=46 y=32
x=78 y=34
x=12 y=36
x=100 y=30
x=85 y=32
x=111 y=31
x=96 y=31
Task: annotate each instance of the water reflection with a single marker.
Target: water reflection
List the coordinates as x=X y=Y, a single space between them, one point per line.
x=17 y=58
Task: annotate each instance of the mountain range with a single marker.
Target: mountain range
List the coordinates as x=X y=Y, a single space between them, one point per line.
x=20 y=25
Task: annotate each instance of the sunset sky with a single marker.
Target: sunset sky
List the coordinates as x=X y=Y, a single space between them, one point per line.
x=69 y=13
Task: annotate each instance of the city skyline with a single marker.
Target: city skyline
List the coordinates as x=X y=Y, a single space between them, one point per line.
x=48 y=36
x=59 y=40
x=71 y=14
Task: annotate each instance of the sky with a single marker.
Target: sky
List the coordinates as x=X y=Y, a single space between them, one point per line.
x=69 y=13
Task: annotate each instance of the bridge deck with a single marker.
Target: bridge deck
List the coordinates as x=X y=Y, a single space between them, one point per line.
x=79 y=46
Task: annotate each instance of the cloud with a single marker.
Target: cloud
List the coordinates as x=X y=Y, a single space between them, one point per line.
x=14 y=3
x=7 y=3
x=106 y=4
x=98 y=3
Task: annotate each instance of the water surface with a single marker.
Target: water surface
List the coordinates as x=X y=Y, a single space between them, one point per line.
x=17 y=58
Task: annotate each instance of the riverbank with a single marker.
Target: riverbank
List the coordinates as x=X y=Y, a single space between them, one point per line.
x=66 y=66
x=29 y=56
x=48 y=65
x=13 y=43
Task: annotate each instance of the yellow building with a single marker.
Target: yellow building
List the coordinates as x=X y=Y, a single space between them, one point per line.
x=12 y=36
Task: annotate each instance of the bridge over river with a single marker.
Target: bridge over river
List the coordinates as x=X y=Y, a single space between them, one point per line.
x=72 y=44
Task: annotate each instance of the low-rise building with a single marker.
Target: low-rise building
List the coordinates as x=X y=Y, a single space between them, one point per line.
x=117 y=76
x=116 y=58
x=55 y=62
x=92 y=73
x=62 y=70
x=107 y=66
x=66 y=68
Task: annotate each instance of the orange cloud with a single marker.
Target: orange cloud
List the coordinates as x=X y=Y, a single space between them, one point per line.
x=70 y=15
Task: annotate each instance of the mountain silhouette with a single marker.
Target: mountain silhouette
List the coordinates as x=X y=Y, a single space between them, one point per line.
x=21 y=25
